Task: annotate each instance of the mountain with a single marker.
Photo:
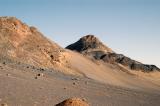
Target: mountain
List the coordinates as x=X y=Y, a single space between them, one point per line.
x=92 y=47
x=35 y=71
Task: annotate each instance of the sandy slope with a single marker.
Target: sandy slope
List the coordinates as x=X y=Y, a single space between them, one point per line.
x=103 y=85
x=18 y=87
x=110 y=74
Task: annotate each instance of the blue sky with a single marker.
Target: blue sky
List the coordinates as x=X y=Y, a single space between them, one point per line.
x=130 y=27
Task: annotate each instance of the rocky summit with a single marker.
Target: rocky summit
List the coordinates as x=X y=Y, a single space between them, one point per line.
x=88 y=43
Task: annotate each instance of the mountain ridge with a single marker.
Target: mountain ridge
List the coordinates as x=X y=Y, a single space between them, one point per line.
x=92 y=47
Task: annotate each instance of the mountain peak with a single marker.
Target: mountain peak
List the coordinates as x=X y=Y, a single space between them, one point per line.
x=89 y=43
x=90 y=38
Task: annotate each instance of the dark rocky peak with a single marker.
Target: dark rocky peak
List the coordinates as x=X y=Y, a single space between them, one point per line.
x=89 y=43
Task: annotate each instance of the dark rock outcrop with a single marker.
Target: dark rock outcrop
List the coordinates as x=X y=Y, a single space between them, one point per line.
x=126 y=61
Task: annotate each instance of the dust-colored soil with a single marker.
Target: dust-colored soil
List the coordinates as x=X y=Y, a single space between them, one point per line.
x=27 y=86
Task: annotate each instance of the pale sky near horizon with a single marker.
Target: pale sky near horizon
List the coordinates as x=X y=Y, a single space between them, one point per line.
x=130 y=27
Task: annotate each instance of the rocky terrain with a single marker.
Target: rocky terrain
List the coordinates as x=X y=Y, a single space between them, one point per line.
x=23 y=44
x=26 y=44
x=35 y=71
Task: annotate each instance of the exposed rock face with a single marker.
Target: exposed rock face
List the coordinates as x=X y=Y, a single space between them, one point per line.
x=73 y=102
x=26 y=44
x=90 y=46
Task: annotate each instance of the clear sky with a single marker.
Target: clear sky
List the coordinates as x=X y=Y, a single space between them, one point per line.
x=130 y=27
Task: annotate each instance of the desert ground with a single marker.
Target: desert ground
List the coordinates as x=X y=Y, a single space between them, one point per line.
x=25 y=85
